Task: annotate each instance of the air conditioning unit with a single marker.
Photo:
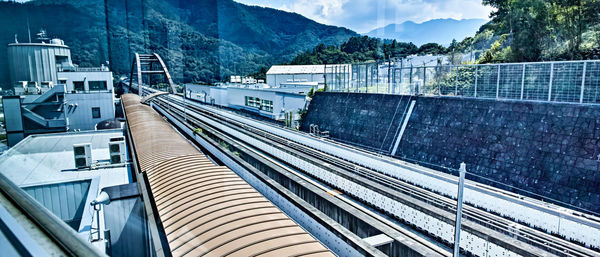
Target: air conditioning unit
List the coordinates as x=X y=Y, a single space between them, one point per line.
x=116 y=147
x=83 y=155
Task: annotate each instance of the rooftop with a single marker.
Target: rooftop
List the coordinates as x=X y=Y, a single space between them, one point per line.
x=48 y=158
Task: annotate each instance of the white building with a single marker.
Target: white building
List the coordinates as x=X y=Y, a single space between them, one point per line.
x=285 y=74
x=272 y=103
x=68 y=98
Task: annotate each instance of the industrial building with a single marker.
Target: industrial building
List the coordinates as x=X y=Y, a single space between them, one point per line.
x=38 y=62
x=52 y=94
x=272 y=103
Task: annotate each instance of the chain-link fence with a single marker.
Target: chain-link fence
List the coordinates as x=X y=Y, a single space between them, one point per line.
x=569 y=81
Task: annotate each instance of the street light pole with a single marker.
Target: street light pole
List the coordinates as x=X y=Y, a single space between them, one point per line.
x=461 y=185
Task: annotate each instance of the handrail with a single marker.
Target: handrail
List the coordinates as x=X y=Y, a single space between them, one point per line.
x=55 y=228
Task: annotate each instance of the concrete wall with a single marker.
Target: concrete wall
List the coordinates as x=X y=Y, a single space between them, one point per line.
x=368 y=120
x=86 y=77
x=66 y=200
x=551 y=149
x=78 y=109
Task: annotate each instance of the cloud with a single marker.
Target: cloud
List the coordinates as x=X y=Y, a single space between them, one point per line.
x=365 y=15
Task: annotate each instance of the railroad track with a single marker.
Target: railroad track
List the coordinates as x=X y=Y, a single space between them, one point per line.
x=434 y=248
x=524 y=233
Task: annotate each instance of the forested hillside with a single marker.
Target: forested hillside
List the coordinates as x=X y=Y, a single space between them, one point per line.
x=364 y=48
x=201 y=40
x=540 y=30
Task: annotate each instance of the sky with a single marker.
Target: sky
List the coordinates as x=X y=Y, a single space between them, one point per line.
x=365 y=15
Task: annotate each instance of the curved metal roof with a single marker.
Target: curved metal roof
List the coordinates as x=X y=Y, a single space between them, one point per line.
x=207 y=209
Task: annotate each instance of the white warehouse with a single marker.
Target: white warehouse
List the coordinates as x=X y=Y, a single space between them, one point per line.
x=322 y=74
x=272 y=103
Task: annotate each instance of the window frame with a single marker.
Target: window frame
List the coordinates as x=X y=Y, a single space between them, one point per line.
x=99 y=113
x=95 y=82
x=75 y=83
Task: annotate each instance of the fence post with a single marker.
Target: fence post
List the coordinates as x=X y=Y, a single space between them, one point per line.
x=456 y=82
x=439 y=72
x=424 y=78
x=550 y=84
x=357 y=78
x=476 y=72
x=367 y=77
x=582 y=82
x=400 y=79
x=346 y=84
x=523 y=82
x=390 y=75
x=410 y=79
x=337 y=78
x=498 y=83
x=377 y=77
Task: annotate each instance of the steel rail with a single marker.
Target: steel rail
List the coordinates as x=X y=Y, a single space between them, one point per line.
x=538 y=238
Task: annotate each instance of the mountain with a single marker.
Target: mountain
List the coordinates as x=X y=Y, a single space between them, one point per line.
x=440 y=31
x=200 y=40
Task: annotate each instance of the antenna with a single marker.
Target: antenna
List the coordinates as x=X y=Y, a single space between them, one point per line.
x=28 y=30
x=16 y=39
x=42 y=35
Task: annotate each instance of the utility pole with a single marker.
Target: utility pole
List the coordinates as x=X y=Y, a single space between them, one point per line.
x=461 y=184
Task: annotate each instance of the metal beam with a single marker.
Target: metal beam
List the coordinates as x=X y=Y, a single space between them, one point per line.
x=404 y=124
x=164 y=67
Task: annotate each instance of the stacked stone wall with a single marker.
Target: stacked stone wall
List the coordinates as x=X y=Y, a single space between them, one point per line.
x=550 y=149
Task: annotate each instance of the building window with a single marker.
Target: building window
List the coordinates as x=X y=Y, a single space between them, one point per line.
x=252 y=101
x=95 y=112
x=97 y=85
x=266 y=105
x=78 y=86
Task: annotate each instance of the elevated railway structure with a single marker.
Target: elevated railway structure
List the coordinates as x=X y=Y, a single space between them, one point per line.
x=406 y=197
x=148 y=65
x=199 y=208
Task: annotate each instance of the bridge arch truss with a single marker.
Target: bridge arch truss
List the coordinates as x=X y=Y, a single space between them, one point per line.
x=147 y=65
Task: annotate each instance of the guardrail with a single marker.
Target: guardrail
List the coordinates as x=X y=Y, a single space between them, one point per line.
x=565 y=81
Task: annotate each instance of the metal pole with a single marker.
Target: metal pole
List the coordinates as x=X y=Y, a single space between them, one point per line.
x=346 y=80
x=523 y=82
x=97 y=209
x=476 y=77
x=582 y=82
x=400 y=79
x=498 y=83
x=456 y=82
x=366 y=78
x=424 y=77
x=439 y=77
x=461 y=185
x=550 y=84
x=389 y=74
x=377 y=77
x=410 y=78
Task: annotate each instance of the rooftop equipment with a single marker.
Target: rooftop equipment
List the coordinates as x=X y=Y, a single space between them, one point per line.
x=83 y=155
x=116 y=146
